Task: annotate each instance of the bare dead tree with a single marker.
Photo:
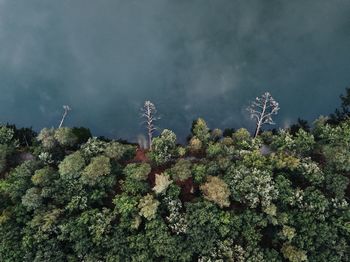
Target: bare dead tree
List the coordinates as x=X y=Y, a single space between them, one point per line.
x=262 y=109
x=149 y=113
x=66 y=110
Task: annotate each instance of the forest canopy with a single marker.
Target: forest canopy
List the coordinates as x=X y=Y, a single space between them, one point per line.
x=281 y=196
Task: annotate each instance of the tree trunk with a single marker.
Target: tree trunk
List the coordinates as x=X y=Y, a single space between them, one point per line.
x=150 y=139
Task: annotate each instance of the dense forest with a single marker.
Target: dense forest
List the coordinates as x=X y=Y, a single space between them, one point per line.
x=279 y=195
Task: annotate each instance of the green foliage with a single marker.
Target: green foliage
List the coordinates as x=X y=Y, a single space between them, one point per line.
x=118 y=151
x=207 y=224
x=18 y=181
x=5 y=152
x=135 y=178
x=336 y=184
x=302 y=143
x=228 y=200
x=72 y=164
x=82 y=134
x=242 y=139
x=199 y=173
x=181 y=151
x=215 y=150
x=47 y=138
x=99 y=166
x=163 y=147
x=148 y=207
x=43 y=176
x=65 y=137
x=200 y=130
x=137 y=171
x=284 y=161
x=293 y=254
x=252 y=187
x=6 y=135
x=216 y=134
x=134 y=187
x=181 y=170
x=32 y=199
x=195 y=145
x=93 y=147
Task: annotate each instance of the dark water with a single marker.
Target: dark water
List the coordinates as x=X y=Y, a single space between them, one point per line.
x=190 y=57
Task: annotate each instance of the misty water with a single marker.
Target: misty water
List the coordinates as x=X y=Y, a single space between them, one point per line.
x=191 y=58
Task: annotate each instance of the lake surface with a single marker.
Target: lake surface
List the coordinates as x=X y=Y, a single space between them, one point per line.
x=191 y=58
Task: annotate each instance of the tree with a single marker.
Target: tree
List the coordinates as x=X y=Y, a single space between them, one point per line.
x=200 y=130
x=343 y=112
x=65 y=137
x=228 y=132
x=217 y=191
x=262 y=109
x=66 y=110
x=149 y=113
x=164 y=147
x=301 y=124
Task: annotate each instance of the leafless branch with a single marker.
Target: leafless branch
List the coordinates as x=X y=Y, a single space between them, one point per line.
x=66 y=109
x=149 y=113
x=262 y=109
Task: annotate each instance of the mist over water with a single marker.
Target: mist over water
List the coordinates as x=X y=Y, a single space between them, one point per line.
x=192 y=58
